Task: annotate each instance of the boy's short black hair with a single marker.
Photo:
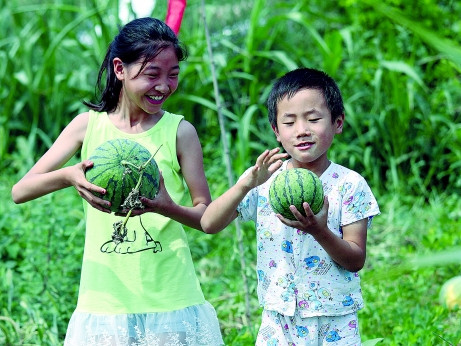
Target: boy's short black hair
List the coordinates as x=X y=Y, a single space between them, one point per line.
x=305 y=78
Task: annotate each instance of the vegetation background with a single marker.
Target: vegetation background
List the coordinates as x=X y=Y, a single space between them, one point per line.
x=398 y=64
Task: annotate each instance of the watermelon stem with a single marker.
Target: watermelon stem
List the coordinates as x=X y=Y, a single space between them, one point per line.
x=118 y=234
x=147 y=162
x=128 y=163
x=144 y=165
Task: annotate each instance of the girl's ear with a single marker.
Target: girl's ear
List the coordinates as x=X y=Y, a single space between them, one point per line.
x=118 y=68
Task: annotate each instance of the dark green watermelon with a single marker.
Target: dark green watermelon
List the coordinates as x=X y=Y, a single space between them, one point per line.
x=116 y=168
x=293 y=187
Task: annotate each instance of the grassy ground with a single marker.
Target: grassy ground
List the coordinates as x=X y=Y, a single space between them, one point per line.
x=413 y=248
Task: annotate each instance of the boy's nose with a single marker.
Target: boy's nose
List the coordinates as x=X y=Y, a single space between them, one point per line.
x=303 y=129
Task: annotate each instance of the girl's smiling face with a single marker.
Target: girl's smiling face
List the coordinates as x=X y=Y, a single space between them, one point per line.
x=305 y=130
x=149 y=88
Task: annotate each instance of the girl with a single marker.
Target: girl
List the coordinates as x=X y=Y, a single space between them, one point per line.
x=130 y=292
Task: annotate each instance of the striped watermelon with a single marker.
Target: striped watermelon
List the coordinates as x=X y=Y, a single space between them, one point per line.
x=116 y=168
x=293 y=187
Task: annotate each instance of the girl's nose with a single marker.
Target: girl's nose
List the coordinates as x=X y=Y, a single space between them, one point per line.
x=164 y=88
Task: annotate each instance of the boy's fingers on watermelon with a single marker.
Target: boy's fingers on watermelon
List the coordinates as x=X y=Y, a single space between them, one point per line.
x=307 y=209
x=300 y=216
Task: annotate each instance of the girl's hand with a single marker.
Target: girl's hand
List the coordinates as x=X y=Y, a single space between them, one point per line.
x=266 y=164
x=160 y=204
x=312 y=224
x=85 y=189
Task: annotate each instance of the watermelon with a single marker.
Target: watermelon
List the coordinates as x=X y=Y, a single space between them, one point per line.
x=450 y=293
x=117 y=167
x=293 y=187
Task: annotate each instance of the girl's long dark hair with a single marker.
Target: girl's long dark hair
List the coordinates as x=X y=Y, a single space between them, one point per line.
x=141 y=38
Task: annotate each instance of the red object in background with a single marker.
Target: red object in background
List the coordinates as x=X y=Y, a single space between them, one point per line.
x=174 y=14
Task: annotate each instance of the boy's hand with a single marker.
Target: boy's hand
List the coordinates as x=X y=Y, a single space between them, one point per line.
x=312 y=224
x=266 y=164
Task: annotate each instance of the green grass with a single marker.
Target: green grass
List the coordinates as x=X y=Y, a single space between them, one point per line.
x=413 y=248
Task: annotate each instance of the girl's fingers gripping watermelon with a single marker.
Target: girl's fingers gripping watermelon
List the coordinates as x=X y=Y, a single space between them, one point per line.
x=76 y=176
x=95 y=189
x=159 y=204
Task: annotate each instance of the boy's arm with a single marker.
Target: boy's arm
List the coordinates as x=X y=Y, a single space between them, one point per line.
x=350 y=251
x=223 y=210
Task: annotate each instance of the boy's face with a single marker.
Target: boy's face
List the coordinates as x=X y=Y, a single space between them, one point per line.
x=305 y=130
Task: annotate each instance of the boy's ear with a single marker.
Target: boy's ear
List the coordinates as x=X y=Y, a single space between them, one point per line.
x=276 y=131
x=118 y=68
x=339 y=122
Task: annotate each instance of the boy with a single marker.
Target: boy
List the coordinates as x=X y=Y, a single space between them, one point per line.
x=307 y=268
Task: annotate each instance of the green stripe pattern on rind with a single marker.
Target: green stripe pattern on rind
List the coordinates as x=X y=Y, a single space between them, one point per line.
x=293 y=187
x=118 y=179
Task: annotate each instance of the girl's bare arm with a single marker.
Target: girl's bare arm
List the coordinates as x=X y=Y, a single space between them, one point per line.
x=47 y=175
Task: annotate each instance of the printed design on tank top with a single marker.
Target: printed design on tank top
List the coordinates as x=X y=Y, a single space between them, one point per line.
x=131 y=241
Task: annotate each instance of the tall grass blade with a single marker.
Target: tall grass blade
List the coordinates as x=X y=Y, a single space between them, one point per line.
x=227 y=160
x=400 y=66
x=445 y=46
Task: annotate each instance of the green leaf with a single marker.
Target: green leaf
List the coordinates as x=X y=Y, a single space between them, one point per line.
x=372 y=342
x=400 y=66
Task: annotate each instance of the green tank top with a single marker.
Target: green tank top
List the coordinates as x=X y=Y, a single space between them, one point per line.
x=152 y=271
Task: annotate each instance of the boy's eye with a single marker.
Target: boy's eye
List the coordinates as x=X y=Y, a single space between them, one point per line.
x=288 y=123
x=314 y=119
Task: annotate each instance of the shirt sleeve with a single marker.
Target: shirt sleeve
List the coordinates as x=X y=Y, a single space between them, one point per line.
x=358 y=203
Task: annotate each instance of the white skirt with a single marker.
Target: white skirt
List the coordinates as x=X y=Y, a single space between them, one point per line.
x=194 y=325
